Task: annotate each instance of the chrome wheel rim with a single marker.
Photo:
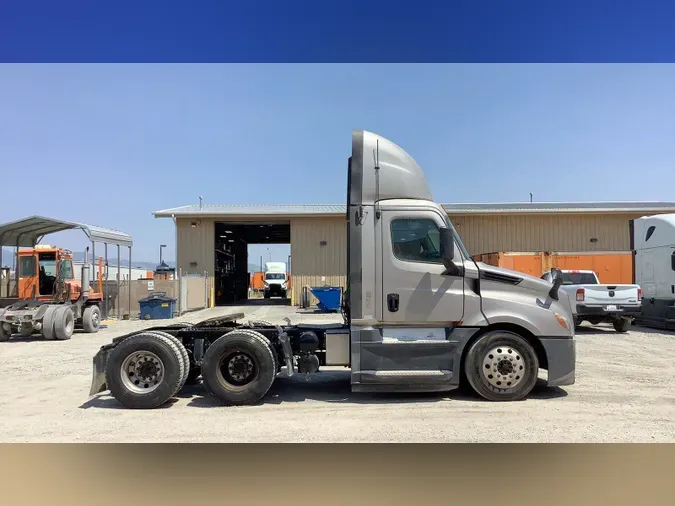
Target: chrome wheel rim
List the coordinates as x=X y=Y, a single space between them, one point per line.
x=142 y=372
x=503 y=367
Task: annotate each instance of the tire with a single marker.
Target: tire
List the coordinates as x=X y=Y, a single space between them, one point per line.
x=621 y=325
x=254 y=355
x=498 y=349
x=183 y=352
x=4 y=335
x=91 y=319
x=152 y=347
x=48 y=322
x=64 y=323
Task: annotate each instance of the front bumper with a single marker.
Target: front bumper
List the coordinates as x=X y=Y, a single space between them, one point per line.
x=601 y=311
x=561 y=357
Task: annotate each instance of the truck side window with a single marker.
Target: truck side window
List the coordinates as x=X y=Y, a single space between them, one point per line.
x=650 y=231
x=416 y=240
x=672 y=260
x=27 y=266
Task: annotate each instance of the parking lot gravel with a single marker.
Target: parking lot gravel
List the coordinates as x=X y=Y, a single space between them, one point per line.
x=622 y=394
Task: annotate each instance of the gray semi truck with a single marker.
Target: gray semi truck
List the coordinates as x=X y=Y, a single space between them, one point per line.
x=419 y=314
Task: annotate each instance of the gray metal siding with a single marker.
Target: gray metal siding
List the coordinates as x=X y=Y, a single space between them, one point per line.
x=553 y=232
x=195 y=244
x=310 y=261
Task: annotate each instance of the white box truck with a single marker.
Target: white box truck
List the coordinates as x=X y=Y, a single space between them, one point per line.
x=275 y=280
x=420 y=315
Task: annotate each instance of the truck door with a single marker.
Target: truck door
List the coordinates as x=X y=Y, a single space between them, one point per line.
x=27 y=277
x=414 y=289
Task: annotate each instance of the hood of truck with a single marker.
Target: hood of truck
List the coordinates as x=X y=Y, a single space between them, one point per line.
x=491 y=272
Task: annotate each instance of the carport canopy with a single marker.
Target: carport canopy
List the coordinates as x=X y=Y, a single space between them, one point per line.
x=27 y=232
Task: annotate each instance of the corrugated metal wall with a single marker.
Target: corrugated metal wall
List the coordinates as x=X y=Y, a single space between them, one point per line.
x=486 y=234
x=196 y=244
x=310 y=260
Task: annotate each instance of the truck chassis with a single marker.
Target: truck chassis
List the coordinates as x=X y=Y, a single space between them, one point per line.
x=238 y=362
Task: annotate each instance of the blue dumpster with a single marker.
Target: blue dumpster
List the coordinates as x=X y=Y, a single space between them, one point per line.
x=329 y=297
x=157 y=306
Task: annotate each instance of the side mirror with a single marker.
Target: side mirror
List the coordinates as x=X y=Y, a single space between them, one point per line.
x=448 y=249
x=557 y=278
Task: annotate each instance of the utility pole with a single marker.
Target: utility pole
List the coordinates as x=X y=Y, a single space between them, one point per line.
x=530 y=197
x=161 y=246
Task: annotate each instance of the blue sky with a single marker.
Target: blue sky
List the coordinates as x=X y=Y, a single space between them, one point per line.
x=108 y=144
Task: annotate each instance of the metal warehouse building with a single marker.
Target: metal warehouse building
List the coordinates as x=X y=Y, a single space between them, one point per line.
x=214 y=239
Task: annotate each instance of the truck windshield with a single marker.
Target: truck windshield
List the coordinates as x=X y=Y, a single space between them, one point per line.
x=579 y=278
x=275 y=275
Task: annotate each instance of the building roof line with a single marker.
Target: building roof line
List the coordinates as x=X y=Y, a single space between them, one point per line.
x=454 y=208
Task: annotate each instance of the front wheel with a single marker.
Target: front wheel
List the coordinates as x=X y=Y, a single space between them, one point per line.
x=91 y=319
x=501 y=366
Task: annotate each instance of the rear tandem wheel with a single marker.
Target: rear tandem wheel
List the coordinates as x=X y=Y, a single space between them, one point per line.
x=239 y=367
x=145 y=370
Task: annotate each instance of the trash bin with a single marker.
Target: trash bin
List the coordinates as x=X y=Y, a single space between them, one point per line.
x=329 y=297
x=157 y=306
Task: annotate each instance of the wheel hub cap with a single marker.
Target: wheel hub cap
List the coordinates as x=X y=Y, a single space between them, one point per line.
x=503 y=367
x=240 y=367
x=142 y=372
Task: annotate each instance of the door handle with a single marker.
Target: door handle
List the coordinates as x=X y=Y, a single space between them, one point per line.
x=392 y=302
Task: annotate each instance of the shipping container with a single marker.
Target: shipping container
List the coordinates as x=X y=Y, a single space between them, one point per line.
x=610 y=267
x=257 y=280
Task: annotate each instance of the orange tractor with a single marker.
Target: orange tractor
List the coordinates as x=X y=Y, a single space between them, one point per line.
x=51 y=301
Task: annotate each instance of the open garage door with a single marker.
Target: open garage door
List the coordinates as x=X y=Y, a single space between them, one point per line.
x=234 y=281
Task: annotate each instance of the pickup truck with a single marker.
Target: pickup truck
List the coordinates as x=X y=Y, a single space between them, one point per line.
x=596 y=303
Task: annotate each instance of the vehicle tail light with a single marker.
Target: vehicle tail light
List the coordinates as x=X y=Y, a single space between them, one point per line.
x=639 y=293
x=581 y=295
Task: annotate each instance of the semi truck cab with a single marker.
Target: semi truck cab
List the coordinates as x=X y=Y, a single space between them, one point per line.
x=275 y=282
x=420 y=315
x=418 y=303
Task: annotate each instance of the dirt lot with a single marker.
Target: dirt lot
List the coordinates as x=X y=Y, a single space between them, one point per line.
x=622 y=394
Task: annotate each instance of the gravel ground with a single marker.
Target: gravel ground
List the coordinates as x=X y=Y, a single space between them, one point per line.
x=620 y=396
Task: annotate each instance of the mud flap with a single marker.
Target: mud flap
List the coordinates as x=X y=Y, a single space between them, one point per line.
x=98 y=376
